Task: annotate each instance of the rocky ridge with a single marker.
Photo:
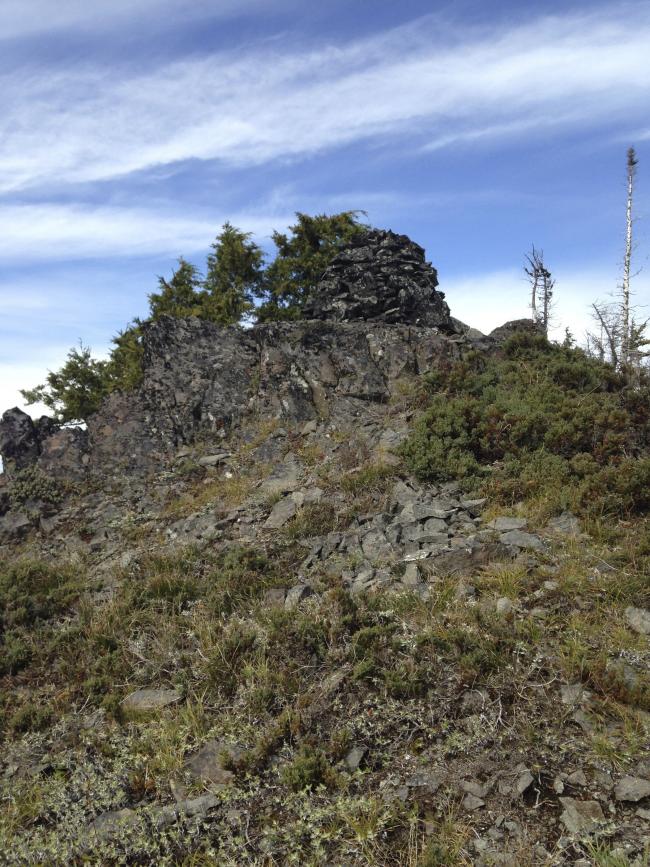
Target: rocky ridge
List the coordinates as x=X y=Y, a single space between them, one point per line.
x=425 y=626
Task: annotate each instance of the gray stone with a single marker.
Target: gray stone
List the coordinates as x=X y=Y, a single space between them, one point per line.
x=21 y=439
x=15 y=525
x=411 y=576
x=524 y=782
x=207 y=764
x=632 y=789
x=566 y=523
x=471 y=802
x=281 y=513
x=504 y=605
x=375 y=546
x=638 y=619
x=213 y=460
x=354 y=757
x=113 y=823
x=296 y=595
x=151 y=699
x=284 y=479
x=581 y=817
x=521 y=540
x=474 y=507
x=577 y=778
x=473 y=788
x=505 y=523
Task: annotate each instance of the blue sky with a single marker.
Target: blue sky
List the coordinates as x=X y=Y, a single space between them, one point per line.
x=129 y=135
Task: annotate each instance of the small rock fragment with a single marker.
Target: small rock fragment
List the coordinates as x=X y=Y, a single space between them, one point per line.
x=566 y=523
x=638 y=619
x=354 y=758
x=524 y=782
x=151 y=699
x=506 y=523
x=632 y=789
x=207 y=765
x=504 y=605
x=581 y=817
x=296 y=595
x=519 y=539
x=282 y=512
x=471 y=802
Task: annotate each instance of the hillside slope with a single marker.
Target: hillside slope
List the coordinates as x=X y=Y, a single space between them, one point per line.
x=332 y=592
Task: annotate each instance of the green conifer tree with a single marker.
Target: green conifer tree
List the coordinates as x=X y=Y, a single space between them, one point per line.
x=233 y=278
x=180 y=296
x=302 y=256
x=75 y=391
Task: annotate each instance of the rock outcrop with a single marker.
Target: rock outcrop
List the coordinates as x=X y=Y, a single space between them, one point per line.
x=21 y=438
x=375 y=319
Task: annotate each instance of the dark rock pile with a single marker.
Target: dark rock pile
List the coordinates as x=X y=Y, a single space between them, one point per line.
x=383 y=277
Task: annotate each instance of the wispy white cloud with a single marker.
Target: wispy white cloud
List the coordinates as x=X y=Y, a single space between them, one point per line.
x=271 y=102
x=50 y=231
x=24 y=18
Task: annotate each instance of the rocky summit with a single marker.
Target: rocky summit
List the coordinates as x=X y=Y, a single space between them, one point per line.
x=381 y=276
x=334 y=591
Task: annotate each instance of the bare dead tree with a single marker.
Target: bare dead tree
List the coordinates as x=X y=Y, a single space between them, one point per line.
x=632 y=163
x=606 y=342
x=541 y=288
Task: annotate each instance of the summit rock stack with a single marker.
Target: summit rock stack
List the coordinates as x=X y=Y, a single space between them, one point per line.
x=381 y=277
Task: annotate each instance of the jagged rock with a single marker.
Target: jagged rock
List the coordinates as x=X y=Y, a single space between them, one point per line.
x=632 y=789
x=524 y=782
x=15 y=525
x=518 y=539
x=282 y=511
x=380 y=276
x=581 y=817
x=505 y=523
x=21 y=439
